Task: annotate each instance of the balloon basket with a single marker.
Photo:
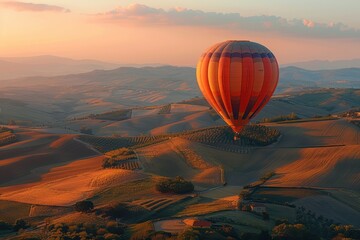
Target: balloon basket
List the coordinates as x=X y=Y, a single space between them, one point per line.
x=236 y=136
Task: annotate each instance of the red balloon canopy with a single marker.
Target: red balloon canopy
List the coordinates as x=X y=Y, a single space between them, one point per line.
x=237 y=78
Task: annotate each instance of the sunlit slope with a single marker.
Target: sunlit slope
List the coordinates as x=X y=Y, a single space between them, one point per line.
x=54 y=169
x=328 y=155
x=322 y=167
x=22 y=160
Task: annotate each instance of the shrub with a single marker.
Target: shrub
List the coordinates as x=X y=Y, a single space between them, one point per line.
x=114 y=227
x=227 y=230
x=291 y=116
x=111 y=236
x=101 y=231
x=84 y=206
x=291 y=232
x=117 y=210
x=20 y=224
x=189 y=235
x=177 y=185
x=86 y=130
x=244 y=194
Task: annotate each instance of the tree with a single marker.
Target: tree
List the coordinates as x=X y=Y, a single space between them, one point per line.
x=177 y=185
x=292 y=232
x=117 y=210
x=84 y=206
x=20 y=224
x=244 y=194
x=114 y=227
x=86 y=130
x=189 y=235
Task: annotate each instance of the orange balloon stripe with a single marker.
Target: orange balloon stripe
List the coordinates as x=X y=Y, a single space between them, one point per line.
x=265 y=87
x=235 y=80
x=247 y=86
x=213 y=77
x=205 y=81
x=223 y=78
x=272 y=85
x=258 y=79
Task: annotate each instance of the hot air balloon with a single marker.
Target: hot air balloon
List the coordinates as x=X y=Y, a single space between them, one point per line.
x=237 y=78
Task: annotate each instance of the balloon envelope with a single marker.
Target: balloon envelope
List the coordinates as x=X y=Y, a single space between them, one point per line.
x=237 y=78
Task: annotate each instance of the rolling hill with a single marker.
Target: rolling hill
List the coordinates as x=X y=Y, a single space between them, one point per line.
x=71 y=96
x=188 y=115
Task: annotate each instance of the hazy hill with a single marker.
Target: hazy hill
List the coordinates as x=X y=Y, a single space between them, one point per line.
x=15 y=67
x=293 y=78
x=99 y=91
x=325 y=64
x=170 y=77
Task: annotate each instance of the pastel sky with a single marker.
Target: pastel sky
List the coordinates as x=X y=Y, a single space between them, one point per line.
x=177 y=31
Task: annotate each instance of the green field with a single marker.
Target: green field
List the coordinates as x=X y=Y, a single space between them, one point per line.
x=283 y=195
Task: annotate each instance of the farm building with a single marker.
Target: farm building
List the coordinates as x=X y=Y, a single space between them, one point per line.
x=193 y=222
x=257 y=207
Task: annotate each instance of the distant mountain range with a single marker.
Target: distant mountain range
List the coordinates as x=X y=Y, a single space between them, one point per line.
x=16 y=67
x=47 y=65
x=325 y=65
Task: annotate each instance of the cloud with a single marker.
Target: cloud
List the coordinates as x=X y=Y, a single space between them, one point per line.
x=34 y=7
x=142 y=14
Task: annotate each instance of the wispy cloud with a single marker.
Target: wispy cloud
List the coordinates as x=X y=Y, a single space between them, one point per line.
x=34 y=7
x=143 y=14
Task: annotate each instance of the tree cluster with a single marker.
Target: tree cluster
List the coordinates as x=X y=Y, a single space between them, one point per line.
x=291 y=116
x=111 y=231
x=84 y=206
x=85 y=130
x=19 y=224
x=177 y=185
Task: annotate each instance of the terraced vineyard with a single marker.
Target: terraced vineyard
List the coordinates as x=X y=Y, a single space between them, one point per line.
x=7 y=136
x=222 y=137
x=117 y=115
x=165 y=109
x=129 y=165
x=252 y=135
x=157 y=204
x=106 y=144
x=191 y=157
x=196 y=101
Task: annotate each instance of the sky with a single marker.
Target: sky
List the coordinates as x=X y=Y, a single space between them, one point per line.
x=177 y=32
